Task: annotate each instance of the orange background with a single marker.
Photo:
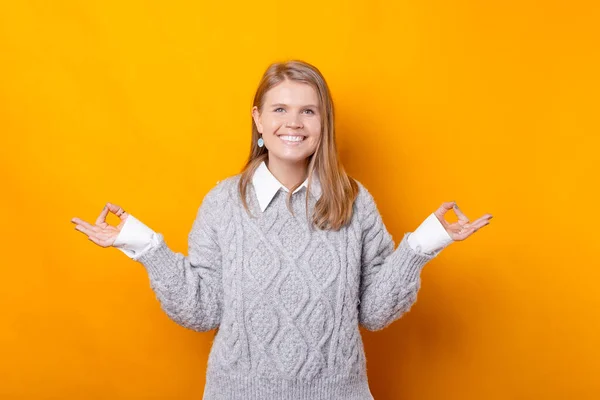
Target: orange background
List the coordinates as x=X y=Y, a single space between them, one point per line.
x=147 y=105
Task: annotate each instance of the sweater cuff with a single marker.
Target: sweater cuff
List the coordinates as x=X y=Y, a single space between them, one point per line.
x=159 y=260
x=412 y=262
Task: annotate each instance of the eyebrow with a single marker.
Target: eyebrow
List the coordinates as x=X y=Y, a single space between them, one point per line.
x=285 y=105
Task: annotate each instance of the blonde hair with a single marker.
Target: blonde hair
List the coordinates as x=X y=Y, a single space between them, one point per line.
x=338 y=190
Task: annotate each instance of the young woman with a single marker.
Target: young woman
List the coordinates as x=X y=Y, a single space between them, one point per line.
x=288 y=257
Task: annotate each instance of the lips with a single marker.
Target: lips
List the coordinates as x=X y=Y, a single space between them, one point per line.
x=292 y=139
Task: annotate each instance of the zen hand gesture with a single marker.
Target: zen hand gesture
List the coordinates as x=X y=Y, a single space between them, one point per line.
x=102 y=233
x=463 y=228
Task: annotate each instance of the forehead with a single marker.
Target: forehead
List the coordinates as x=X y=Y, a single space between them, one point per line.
x=292 y=93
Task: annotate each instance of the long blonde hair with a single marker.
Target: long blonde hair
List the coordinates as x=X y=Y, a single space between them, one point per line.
x=338 y=190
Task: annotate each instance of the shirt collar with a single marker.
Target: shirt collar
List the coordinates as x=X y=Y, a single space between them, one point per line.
x=266 y=186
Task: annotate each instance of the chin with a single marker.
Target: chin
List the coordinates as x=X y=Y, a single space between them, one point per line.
x=290 y=158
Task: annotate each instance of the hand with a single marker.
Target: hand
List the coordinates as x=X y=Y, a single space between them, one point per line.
x=463 y=228
x=102 y=233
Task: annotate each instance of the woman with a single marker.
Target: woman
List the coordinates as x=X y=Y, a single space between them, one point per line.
x=288 y=257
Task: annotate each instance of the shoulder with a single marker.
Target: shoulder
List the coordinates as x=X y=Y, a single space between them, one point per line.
x=215 y=206
x=224 y=189
x=364 y=198
x=365 y=207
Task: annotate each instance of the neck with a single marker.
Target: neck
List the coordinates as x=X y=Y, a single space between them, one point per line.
x=288 y=173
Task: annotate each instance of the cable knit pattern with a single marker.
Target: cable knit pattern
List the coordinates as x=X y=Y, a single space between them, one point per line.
x=287 y=299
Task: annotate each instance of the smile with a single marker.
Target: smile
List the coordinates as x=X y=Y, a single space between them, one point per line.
x=292 y=139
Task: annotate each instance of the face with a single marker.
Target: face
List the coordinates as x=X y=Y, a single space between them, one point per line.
x=290 y=121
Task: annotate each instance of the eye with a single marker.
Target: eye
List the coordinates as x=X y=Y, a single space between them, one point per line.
x=279 y=108
x=311 y=111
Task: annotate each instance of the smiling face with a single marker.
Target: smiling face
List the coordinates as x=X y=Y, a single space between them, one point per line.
x=290 y=121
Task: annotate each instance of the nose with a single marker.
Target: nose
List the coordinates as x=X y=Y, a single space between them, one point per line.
x=293 y=121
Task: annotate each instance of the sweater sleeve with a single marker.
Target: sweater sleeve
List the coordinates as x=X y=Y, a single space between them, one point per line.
x=390 y=276
x=189 y=288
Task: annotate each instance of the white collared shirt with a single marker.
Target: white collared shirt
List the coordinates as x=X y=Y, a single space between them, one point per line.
x=266 y=186
x=135 y=237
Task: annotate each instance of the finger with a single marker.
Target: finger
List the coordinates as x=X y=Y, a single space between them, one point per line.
x=449 y=205
x=460 y=214
x=102 y=217
x=442 y=210
x=445 y=207
x=469 y=231
x=85 y=230
x=485 y=217
x=117 y=210
x=87 y=225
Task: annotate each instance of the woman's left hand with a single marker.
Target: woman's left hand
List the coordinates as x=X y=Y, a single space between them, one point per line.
x=463 y=228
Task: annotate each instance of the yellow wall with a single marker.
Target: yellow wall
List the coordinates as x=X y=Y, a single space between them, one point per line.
x=147 y=104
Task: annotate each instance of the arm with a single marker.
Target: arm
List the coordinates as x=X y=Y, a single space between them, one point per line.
x=390 y=277
x=189 y=288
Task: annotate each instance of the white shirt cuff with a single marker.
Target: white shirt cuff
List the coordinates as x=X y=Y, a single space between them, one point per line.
x=430 y=237
x=135 y=238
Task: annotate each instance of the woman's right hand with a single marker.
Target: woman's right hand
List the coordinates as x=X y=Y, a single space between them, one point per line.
x=102 y=233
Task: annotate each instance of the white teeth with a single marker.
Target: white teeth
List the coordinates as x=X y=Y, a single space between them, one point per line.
x=292 y=138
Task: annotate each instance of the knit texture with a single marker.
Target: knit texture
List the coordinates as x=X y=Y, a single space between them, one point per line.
x=287 y=299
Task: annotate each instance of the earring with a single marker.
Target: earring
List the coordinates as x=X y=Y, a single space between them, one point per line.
x=261 y=142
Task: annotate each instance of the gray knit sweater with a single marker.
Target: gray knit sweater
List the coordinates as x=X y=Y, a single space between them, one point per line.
x=287 y=300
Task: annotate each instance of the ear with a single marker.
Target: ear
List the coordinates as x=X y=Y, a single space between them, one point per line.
x=256 y=117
